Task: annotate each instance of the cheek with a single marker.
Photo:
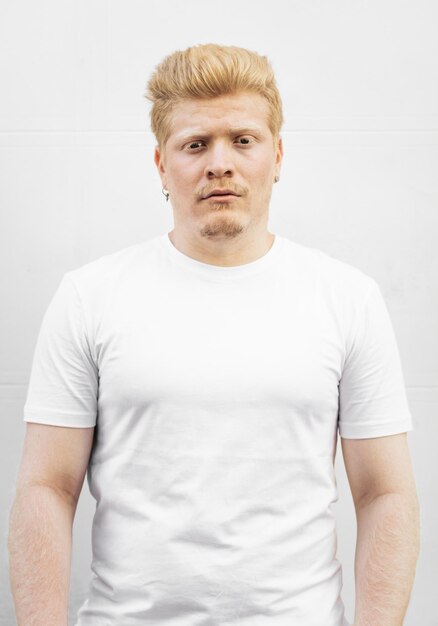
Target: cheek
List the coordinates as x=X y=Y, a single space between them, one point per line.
x=183 y=177
x=261 y=163
x=263 y=173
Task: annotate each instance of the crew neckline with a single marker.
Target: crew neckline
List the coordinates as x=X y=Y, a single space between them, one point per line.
x=219 y=271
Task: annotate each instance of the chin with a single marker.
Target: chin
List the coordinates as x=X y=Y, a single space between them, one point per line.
x=222 y=228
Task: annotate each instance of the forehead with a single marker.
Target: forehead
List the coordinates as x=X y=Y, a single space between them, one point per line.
x=232 y=111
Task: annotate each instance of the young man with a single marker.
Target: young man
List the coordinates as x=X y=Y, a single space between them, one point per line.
x=212 y=368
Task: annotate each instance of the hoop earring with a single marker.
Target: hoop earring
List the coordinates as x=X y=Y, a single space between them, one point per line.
x=165 y=193
x=276 y=179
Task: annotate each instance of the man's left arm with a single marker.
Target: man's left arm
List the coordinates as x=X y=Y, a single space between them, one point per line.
x=380 y=475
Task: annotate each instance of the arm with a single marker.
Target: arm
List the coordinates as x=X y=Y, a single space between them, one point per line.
x=388 y=537
x=50 y=479
x=386 y=555
x=40 y=556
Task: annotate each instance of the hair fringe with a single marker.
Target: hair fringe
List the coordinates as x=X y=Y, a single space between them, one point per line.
x=208 y=71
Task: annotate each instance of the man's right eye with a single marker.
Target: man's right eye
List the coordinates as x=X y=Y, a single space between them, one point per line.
x=194 y=144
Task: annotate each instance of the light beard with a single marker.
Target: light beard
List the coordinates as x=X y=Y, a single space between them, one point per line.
x=223 y=226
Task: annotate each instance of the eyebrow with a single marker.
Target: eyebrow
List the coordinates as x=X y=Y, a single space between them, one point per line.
x=232 y=130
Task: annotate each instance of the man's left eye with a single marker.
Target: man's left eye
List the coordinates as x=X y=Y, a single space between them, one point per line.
x=245 y=140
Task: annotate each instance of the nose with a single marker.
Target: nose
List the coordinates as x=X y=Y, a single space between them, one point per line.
x=219 y=161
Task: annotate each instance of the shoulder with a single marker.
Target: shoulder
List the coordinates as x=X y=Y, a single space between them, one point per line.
x=332 y=275
x=107 y=270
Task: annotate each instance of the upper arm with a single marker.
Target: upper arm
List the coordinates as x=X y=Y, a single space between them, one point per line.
x=377 y=466
x=55 y=456
x=372 y=393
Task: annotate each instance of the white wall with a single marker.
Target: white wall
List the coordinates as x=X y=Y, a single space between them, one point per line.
x=359 y=181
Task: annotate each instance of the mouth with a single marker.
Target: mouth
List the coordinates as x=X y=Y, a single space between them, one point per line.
x=221 y=194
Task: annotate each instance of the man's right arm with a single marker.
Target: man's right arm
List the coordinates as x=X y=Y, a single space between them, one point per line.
x=49 y=483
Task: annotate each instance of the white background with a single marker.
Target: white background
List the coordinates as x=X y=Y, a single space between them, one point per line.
x=359 y=82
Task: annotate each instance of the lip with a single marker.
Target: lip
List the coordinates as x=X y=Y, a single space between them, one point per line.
x=221 y=193
x=222 y=197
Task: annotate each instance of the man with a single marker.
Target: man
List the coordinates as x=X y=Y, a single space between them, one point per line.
x=201 y=377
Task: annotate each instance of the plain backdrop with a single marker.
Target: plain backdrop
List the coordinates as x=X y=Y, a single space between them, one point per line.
x=359 y=82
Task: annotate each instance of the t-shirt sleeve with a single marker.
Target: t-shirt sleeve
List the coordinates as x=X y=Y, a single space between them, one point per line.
x=372 y=395
x=63 y=384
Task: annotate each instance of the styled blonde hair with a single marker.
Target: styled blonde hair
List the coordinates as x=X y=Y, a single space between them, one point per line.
x=208 y=71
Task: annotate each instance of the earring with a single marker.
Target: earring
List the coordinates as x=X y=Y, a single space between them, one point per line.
x=165 y=193
x=276 y=179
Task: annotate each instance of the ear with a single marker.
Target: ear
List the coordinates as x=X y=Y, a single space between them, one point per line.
x=278 y=155
x=159 y=162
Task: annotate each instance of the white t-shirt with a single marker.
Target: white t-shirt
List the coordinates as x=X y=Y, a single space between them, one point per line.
x=217 y=393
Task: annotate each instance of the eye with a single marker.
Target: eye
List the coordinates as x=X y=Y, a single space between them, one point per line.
x=194 y=145
x=244 y=141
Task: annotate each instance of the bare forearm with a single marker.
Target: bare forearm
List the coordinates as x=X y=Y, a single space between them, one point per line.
x=388 y=539
x=39 y=544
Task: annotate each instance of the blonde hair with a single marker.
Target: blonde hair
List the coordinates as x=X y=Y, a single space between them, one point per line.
x=208 y=71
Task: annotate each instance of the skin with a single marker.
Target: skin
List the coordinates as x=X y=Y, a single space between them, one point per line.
x=222 y=142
